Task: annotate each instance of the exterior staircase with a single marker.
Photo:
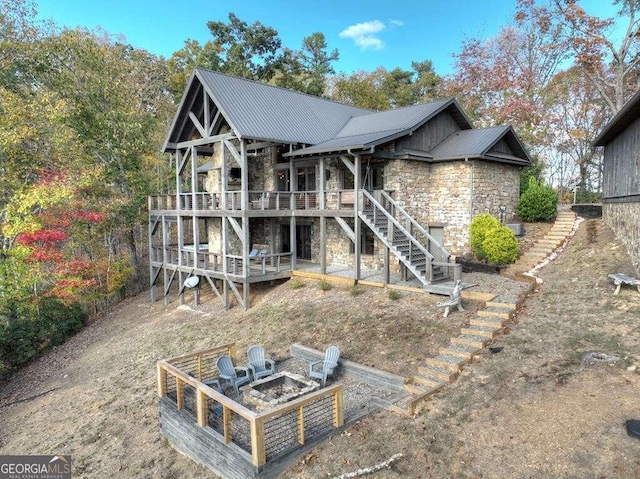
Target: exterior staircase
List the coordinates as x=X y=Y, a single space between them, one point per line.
x=417 y=250
x=444 y=368
x=542 y=248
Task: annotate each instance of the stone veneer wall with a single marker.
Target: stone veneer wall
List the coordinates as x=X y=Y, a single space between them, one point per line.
x=442 y=194
x=624 y=220
x=495 y=185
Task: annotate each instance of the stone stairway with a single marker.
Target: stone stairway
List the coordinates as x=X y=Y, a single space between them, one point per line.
x=444 y=368
x=548 y=244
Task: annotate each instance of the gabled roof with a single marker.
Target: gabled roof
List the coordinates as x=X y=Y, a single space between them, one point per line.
x=479 y=143
x=629 y=112
x=366 y=131
x=264 y=112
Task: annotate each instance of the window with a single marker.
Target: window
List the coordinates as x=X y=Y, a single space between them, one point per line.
x=306 y=178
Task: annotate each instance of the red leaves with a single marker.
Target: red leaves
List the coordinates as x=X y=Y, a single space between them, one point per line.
x=43 y=237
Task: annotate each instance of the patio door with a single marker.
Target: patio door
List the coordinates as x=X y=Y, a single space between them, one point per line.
x=303 y=241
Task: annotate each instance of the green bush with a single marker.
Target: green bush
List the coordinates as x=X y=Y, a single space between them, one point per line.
x=500 y=245
x=478 y=229
x=394 y=294
x=538 y=203
x=296 y=283
x=28 y=335
x=355 y=290
x=325 y=285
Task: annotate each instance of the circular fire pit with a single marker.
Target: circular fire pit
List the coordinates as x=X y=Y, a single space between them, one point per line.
x=276 y=389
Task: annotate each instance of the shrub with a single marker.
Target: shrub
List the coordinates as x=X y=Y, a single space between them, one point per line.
x=296 y=283
x=478 y=229
x=538 y=203
x=26 y=336
x=500 y=245
x=394 y=294
x=355 y=290
x=325 y=285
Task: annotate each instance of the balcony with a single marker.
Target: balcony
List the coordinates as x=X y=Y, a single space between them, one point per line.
x=257 y=201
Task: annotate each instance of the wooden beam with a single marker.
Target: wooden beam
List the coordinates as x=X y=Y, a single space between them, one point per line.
x=234 y=153
x=349 y=165
x=237 y=228
x=207 y=115
x=260 y=145
x=162 y=380
x=205 y=141
x=357 y=180
x=197 y=124
x=215 y=121
x=235 y=291
x=201 y=407
x=258 y=455
x=347 y=229
x=179 y=393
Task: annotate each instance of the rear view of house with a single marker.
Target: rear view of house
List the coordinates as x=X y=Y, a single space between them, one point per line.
x=621 y=185
x=269 y=181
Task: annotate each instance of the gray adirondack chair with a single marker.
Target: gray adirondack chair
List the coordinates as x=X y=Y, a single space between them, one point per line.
x=259 y=366
x=325 y=367
x=229 y=372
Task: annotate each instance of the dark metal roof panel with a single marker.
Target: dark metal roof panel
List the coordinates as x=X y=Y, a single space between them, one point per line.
x=400 y=119
x=261 y=111
x=629 y=112
x=349 y=143
x=468 y=143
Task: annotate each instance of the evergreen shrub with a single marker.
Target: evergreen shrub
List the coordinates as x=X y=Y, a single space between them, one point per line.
x=538 y=202
x=478 y=229
x=500 y=245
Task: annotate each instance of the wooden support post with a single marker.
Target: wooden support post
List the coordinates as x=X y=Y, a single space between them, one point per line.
x=201 y=408
x=179 y=393
x=199 y=359
x=258 y=455
x=357 y=223
x=292 y=242
x=338 y=409
x=301 y=425
x=385 y=275
x=323 y=245
x=226 y=424
x=162 y=381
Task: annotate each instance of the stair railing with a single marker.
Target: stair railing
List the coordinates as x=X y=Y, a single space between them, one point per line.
x=438 y=251
x=375 y=209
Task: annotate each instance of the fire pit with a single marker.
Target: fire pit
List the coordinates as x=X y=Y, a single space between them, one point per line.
x=276 y=389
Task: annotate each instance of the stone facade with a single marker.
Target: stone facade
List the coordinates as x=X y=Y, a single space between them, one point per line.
x=445 y=195
x=624 y=220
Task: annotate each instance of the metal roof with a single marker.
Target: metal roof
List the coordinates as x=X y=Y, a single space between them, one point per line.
x=477 y=143
x=629 y=112
x=264 y=112
x=380 y=127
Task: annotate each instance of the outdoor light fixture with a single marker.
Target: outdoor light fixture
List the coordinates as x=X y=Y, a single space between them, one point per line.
x=502 y=211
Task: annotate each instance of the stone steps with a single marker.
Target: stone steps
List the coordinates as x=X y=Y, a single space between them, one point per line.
x=478 y=330
x=452 y=362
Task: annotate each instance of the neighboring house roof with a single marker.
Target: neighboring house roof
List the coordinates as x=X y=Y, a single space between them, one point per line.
x=479 y=143
x=267 y=113
x=629 y=112
x=373 y=129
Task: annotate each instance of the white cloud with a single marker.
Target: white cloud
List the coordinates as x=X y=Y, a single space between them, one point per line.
x=364 y=34
x=396 y=23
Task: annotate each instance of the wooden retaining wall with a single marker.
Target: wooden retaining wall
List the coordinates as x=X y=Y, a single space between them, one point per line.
x=363 y=373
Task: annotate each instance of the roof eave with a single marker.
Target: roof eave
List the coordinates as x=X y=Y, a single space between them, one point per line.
x=610 y=130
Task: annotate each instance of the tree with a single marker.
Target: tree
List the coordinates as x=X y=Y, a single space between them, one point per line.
x=613 y=69
x=382 y=89
x=306 y=70
x=247 y=51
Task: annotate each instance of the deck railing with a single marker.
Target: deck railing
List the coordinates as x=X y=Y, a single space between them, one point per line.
x=266 y=435
x=258 y=201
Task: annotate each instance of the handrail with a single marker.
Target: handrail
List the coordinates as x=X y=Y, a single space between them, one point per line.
x=378 y=207
x=444 y=254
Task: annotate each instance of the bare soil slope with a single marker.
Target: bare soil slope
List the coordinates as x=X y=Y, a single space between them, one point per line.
x=532 y=410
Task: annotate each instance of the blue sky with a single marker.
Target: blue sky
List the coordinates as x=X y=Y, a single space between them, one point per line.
x=367 y=34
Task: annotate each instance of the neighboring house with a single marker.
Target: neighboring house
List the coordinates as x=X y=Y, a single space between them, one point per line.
x=621 y=184
x=294 y=181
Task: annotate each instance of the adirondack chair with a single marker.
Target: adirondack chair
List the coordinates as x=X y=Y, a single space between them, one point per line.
x=259 y=366
x=325 y=367
x=229 y=372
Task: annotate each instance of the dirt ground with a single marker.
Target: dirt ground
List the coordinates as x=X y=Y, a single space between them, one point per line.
x=533 y=410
